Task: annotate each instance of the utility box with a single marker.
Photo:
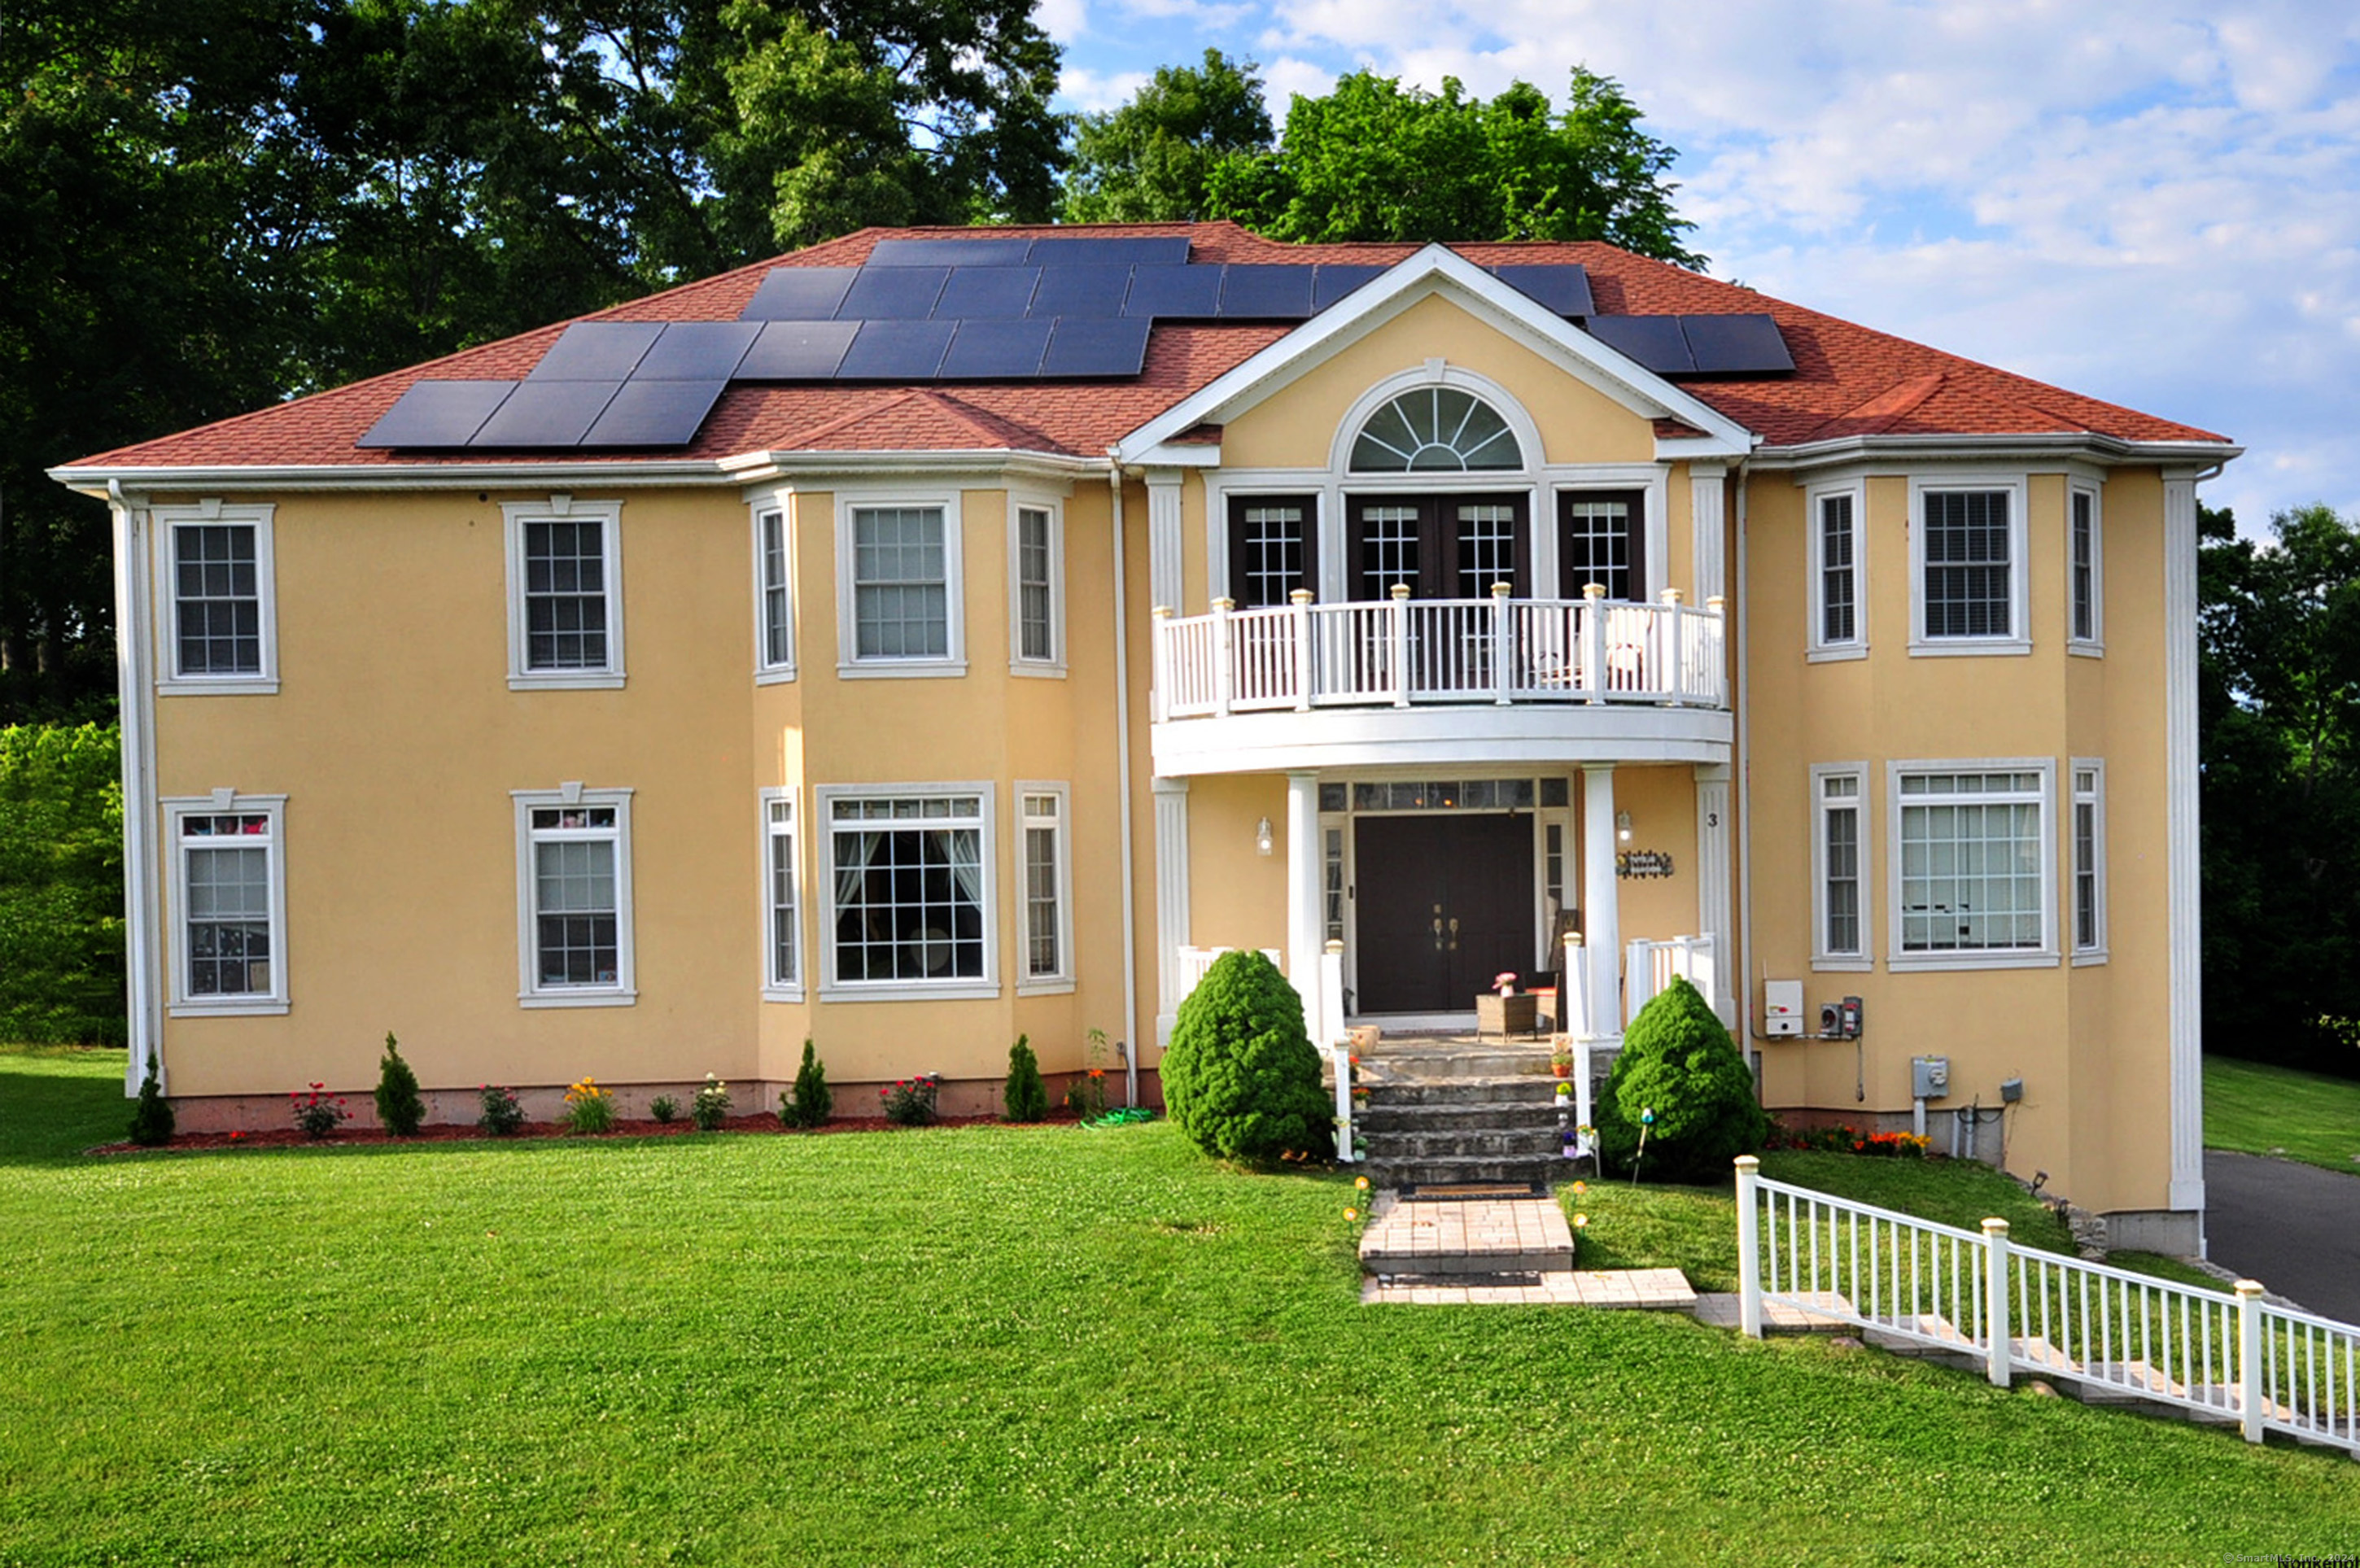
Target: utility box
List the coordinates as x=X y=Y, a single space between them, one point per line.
x=1782 y=1007
x=1929 y=1077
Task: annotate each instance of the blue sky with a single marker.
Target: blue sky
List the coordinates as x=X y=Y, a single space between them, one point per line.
x=2156 y=204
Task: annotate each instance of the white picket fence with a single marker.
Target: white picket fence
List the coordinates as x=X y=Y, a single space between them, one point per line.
x=2231 y=1358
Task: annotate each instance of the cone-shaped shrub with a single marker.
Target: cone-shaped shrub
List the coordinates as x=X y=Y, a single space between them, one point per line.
x=151 y=1121
x=400 y=1107
x=1679 y=1062
x=1026 y=1098
x=809 y=1104
x=1241 y=1076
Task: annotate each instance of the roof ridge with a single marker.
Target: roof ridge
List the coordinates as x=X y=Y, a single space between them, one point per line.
x=842 y=421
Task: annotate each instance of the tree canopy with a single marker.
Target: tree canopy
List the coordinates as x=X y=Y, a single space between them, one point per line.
x=1149 y=160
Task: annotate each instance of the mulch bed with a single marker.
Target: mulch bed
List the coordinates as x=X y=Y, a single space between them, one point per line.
x=292 y=1137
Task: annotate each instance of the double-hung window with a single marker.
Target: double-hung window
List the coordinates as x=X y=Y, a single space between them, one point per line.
x=230 y=886
x=1838 y=626
x=1967 y=568
x=217 y=599
x=2089 y=860
x=574 y=897
x=1840 y=930
x=907 y=875
x=1041 y=811
x=774 y=603
x=782 y=973
x=565 y=594
x=1036 y=599
x=2085 y=593
x=899 y=589
x=1972 y=861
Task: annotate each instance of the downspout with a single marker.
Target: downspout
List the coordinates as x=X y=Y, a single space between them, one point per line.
x=1744 y=783
x=136 y=726
x=1122 y=787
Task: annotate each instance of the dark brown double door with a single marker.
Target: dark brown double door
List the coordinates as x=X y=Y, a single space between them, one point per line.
x=1445 y=903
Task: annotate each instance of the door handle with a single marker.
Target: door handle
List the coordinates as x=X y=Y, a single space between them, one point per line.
x=1454 y=933
x=1437 y=933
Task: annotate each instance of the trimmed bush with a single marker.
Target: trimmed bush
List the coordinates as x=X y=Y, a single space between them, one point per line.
x=1026 y=1098
x=808 y=1104
x=1679 y=1062
x=399 y=1106
x=151 y=1122
x=710 y=1108
x=1241 y=1076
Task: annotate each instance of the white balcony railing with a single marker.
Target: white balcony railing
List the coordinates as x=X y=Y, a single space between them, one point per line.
x=1649 y=967
x=1402 y=651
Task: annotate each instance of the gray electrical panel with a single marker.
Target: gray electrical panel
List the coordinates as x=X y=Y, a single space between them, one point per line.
x=1929 y=1077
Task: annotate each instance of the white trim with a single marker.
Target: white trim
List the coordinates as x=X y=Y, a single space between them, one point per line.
x=773 y=988
x=830 y=989
x=849 y=664
x=1823 y=956
x=1027 y=983
x=2095 y=645
x=2183 y=894
x=1164 y=533
x=622 y=991
x=1558 y=479
x=1533 y=453
x=769 y=671
x=2041 y=448
x=166 y=524
x=1709 y=527
x=1225 y=485
x=1053 y=665
x=144 y=948
x=1897 y=960
x=1712 y=793
x=225 y=802
x=562 y=508
x=2095 y=950
x=1818 y=648
x=1171 y=913
x=2016 y=486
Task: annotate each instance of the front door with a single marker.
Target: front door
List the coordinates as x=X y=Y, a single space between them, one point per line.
x=1445 y=903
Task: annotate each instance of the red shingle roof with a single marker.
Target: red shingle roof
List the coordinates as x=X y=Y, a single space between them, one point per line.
x=1848 y=380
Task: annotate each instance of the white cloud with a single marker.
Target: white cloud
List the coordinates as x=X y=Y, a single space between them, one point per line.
x=1091 y=93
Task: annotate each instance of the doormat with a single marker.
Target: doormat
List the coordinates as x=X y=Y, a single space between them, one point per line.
x=1460 y=1191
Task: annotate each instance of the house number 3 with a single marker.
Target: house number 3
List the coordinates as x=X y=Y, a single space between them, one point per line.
x=1712 y=819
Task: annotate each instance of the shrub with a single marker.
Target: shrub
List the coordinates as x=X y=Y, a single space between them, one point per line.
x=1085 y=1096
x=151 y=1123
x=1241 y=1076
x=1678 y=1062
x=1026 y=1098
x=317 y=1111
x=711 y=1106
x=588 y=1108
x=664 y=1108
x=911 y=1100
x=399 y=1106
x=809 y=1103
x=502 y=1114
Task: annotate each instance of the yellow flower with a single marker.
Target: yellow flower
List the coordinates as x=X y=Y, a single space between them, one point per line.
x=1580 y=1188
x=1579 y=1221
x=1351 y=1214
x=1363 y=1184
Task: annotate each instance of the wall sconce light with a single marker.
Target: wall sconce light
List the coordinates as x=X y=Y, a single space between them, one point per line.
x=1261 y=837
x=1622 y=826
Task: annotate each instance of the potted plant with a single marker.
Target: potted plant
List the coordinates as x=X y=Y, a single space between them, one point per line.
x=1561 y=1060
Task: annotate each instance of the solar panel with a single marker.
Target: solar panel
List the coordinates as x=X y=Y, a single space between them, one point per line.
x=1746 y=345
x=797 y=351
x=1654 y=340
x=996 y=351
x=1265 y=293
x=896 y=351
x=1096 y=347
x=547 y=413
x=1080 y=291
x=1110 y=250
x=697 y=351
x=1564 y=289
x=655 y=413
x=596 y=351
x=987 y=293
x=1337 y=280
x=950 y=253
x=1175 y=292
x=892 y=294
x=800 y=294
x=437 y=413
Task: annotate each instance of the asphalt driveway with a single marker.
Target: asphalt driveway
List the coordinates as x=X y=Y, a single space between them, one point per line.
x=2294 y=1227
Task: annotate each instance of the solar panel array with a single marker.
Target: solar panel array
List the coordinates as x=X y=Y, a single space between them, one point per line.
x=982 y=308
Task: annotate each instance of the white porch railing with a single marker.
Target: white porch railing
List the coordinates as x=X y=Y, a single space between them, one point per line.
x=1648 y=968
x=1401 y=651
x=2228 y=1357
x=1189 y=965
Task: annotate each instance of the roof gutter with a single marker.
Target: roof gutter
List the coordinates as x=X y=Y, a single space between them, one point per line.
x=2110 y=450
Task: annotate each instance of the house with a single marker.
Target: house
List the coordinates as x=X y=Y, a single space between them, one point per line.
x=937 y=635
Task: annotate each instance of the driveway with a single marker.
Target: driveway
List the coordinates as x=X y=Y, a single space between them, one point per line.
x=2294 y=1227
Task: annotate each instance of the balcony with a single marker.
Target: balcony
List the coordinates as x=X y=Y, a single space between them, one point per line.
x=1415 y=682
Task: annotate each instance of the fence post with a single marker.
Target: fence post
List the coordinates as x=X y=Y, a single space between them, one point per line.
x=1995 y=1297
x=1301 y=600
x=1593 y=642
x=1749 y=1248
x=2251 y=1394
x=1502 y=643
x=1401 y=644
x=1225 y=667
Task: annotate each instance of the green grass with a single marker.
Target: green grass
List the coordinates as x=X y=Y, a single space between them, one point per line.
x=2259 y=1109
x=984 y=1345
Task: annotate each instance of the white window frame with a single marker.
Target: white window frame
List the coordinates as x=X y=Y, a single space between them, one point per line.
x=2095 y=645
x=1027 y=983
x=514 y=515
x=1052 y=666
x=2094 y=951
x=1897 y=959
x=827 y=987
x=1823 y=957
x=2020 y=566
x=531 y=991
x=849 y=664
x=225 y=802
x=775 y=989
x=212 y=513
x=1818 y=649
x=769 y=670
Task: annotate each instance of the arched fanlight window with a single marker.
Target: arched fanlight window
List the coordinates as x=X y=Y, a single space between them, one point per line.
x=1436 y=430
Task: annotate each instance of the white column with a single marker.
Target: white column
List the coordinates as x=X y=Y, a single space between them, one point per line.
x=135 y=708
x=1163 y=537
x=1171 y=898
x=2186 y=975
x=1303 y=932
x=1712 y=881
x=1602 y=923
x=1708 y=512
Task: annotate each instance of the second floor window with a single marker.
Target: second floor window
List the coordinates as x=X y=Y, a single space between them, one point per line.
x=776 y=631
x=217 y=600
x=900 y=583
x=1273 y=548
x=1969 y=562
x=1837 y=543
x=1601 y=541
x=565 y=608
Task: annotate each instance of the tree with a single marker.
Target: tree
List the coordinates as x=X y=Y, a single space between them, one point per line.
x=1149 y=160
x=61 y=945
x=1241 y=1076
x=1678 y=1066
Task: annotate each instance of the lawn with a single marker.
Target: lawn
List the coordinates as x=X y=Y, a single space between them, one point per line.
x=981 y=1345
x=2259 y=1109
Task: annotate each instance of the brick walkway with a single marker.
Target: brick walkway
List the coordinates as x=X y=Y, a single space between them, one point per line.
x=1497 y=1250
x=1660 y=1289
